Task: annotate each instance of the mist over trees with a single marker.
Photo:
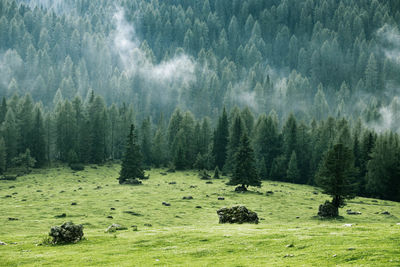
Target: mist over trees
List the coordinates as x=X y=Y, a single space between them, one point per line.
x=295 y=77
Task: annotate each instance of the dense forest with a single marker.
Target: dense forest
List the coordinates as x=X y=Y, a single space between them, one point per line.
x=296 y=76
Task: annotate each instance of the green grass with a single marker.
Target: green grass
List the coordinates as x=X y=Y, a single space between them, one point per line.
x=183 y=235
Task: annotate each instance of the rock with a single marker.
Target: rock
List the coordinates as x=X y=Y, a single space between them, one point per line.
x=334 y=255
x=132 y=213
x=193 y=186
x=385 y=213
x=148 y=224
x=61 y=215
x=351 y=212
x=290 y=246
x=112 y=208
x=221 y=198
x=12 y=219
x=198 y=207
x=315 y=193
x=2 y=243
x=269 y=193
x=98 y=187
x=8 y=196
x=288 y=256
x=351 y=249
x=172 y=183
x=240 y=189
x=397 y=223
x=297 y=217
x=131 y=182
x=62 y=191
x=74 y=204
x=66 y=233
x=237 y=214
x=328 y=210
x=12 y=186
x=209 y=182
x=188 y=197
x=348 y=225
x=115 y=227
x=166 y=204
x=110 y=217
x=134 y=227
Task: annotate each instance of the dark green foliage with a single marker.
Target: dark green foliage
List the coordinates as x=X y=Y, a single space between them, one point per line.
x=293 y=173
x=336 y=175
x=244 y=170
x=221 y=140
x=216 y=173
x=383 y=177
x=131 y=167
x=77 y=166
x=37 y=137
x=25 y=161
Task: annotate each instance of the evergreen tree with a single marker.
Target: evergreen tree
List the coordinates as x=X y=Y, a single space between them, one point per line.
x=131 y=167
x=293 y=173
x=38 y=139
x=336 y=175
x=244 y=170
x=220 y=141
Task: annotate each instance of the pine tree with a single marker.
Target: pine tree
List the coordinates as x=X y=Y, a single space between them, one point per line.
x=131 y=167
x=336 y=175
x=244 y=170
x=221 y=140
x=293 y=173
x=38 y=139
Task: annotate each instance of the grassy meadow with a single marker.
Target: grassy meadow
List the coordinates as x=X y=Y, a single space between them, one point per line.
x=187 y=233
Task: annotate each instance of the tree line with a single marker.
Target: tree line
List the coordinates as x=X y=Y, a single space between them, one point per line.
x=285 y=149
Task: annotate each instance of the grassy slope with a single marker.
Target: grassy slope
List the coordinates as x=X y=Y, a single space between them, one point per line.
x=182 y=234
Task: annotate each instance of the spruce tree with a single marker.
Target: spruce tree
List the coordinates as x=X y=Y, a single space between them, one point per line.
x=221 y=141
x=131 y=167
x=336 y=175
x=38 y=139
x=244 y=171
x=293 y=173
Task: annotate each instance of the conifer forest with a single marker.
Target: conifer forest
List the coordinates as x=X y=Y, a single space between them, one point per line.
x=302 y=94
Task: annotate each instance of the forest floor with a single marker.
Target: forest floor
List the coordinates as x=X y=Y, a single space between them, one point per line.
x=182 y=234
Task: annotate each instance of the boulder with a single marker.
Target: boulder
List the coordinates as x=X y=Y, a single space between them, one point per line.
x=63 y=215
x=66 y=233
x=187 y=197
x=240 y=189
x=3 y=244
x=166 y=204
x=328 y=210
x=352 y=212
x=237 y=214
x=385 y=213
x=115 y=227
x=221 y=198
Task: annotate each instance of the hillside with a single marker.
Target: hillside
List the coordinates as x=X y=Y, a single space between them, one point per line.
x=182 y=233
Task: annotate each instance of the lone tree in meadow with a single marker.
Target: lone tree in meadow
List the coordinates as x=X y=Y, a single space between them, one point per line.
x=336 y=177
x=244 y=172
x=131 y=167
